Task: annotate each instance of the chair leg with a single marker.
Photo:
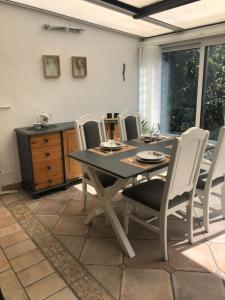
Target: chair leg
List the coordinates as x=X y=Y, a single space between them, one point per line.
x=84 y=188
x=205 y=202
x=163 y=238
x=134 y=181
x=126 y=217
x=190 y=222
x=223 y=199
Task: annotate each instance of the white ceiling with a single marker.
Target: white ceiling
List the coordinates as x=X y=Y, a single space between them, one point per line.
x=188 y=16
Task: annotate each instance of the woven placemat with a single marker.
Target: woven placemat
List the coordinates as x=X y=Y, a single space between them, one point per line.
x=162 y=139
x=146 y=166
x=100 y=151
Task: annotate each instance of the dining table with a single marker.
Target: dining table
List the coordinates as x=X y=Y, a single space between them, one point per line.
x=122 y=165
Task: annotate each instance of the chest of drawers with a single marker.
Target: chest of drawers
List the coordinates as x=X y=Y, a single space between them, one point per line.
x=43 y=157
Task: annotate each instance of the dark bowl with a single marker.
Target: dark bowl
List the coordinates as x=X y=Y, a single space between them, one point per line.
x=147 y=140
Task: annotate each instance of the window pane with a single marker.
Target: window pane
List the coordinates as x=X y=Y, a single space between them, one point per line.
x=179 y=90
x=213 y=101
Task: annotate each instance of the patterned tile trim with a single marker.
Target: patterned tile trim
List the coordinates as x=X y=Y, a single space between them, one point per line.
x=72 y=271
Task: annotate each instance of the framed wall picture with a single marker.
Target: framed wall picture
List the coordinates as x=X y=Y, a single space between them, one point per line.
x=51 y=64
x=79 y=66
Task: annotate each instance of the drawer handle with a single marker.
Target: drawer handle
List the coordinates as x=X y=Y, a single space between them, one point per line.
x=46 y=140
x=49 y=167
x=47 y=153
x=50 y=181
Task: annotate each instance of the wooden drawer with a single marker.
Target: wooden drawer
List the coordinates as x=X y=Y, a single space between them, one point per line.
x=48 y=169
x=48 y=181
x=46 y=153
x=46 y=139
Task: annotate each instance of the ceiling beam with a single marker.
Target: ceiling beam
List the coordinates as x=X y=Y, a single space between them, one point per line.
x=122 y=5
x=162 y=24
x=160 y=6
x=131 y=10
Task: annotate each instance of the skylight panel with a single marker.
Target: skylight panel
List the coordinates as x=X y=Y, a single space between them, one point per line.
x=196 y=14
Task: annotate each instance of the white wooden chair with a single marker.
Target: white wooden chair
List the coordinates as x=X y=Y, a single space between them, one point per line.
x=162 y=198
x=129 y=124
x=90 y=133
x=209 y=179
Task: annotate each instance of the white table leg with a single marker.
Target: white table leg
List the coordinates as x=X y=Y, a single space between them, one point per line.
x=94 y=213
x=105 y=196
x=223 y=199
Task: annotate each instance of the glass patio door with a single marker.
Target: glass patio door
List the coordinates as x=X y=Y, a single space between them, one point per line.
x=179 y=89
x=213 y=92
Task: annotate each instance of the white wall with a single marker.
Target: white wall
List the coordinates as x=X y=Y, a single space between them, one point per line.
x=24 y=88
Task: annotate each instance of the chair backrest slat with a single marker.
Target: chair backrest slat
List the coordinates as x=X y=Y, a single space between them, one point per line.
x=90 y=131
x=185 y=163
x=129 y=122
x=217 y=168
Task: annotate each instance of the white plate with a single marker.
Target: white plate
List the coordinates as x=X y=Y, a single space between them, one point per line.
x=144 y=161
x=109 y=145
x=150 y=156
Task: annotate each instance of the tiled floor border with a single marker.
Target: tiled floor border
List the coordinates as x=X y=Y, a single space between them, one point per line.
x=78 y=278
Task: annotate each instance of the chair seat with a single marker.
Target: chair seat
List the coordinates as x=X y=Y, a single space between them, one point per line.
x=105 y=179
x=150 y=194
x=203 y=178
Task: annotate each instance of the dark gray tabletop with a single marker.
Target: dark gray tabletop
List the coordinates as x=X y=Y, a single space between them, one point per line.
x=112 y=164
x=50 y=128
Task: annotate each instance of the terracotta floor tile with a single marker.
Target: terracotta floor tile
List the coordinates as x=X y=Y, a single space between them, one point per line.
x=72 y=243
x=50 y=206
x=105 y=251
x=35 y=273
x=71 y=225
x=9 y=230
x=49 y=220
x=31 y=204
x=23 y=194
x=148 y=255
x=191 y=257
x=137 y=231
x=109 y=276
x=13 y=239
x=75 y=208
x=65 y=294
x=26 y=260
x=19 y=249
x=197 y=286
x=177 y=231
x=218 y=251
x=4 y=265
x=99 y=228
x=7 y=221
x=62 y=195
x=11 y=287
x=45 y=287
x=10 y=198
x=216 y=232
x=146 y=284
x=4 y=212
